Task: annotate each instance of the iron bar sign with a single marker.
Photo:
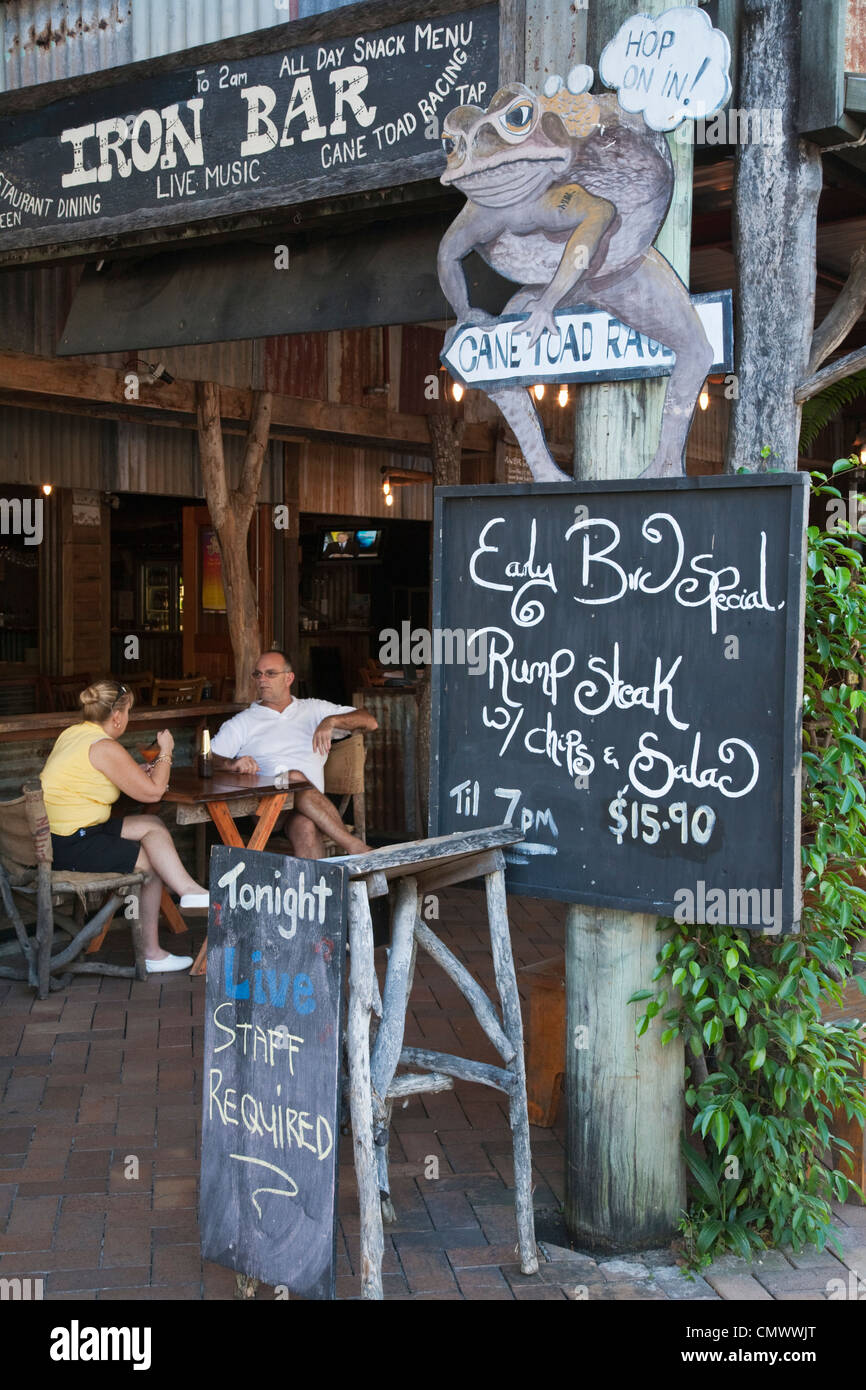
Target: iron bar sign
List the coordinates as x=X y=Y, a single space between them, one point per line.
x=350 y=109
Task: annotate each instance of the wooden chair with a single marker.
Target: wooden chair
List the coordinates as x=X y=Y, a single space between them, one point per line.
x=141 y=684
x=20 y=695
x=344 y=777
x=62 y=692
x=183 y=692
x=26 y=875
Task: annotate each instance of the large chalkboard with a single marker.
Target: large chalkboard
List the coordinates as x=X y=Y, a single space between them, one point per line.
x=336 y=104
x=270 y=1130
x=631 y=700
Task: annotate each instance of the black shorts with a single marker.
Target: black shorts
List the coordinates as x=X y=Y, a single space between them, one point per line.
x=97 y=849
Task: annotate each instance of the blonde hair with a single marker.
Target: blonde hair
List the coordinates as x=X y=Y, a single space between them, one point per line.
x=101 y=699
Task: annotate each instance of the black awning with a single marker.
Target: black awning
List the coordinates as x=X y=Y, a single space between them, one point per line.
x=378 y=274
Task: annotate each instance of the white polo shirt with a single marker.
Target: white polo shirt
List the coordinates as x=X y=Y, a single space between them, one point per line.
x=279 y=742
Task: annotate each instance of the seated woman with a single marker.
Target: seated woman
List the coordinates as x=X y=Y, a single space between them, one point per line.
x=86 y=771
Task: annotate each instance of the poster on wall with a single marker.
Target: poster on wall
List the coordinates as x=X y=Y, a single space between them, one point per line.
x=213 y=595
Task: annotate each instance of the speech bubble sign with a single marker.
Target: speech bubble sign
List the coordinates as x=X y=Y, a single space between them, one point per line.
x=672 y=67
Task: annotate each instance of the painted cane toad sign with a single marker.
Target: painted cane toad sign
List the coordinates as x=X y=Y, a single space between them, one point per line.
x=566 y=192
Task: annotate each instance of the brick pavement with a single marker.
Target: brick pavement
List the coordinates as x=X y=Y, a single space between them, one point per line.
x=99 y=1133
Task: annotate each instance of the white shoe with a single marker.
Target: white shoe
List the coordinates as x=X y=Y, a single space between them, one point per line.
x=154 y=967
x=195 y=900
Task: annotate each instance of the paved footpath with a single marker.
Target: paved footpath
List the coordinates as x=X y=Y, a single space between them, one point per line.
x=99 y=1126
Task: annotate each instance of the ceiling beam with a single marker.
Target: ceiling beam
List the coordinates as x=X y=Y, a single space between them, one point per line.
x=73 y=387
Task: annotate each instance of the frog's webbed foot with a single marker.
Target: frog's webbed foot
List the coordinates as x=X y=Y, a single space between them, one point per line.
x=540 y=321
x=473 y=318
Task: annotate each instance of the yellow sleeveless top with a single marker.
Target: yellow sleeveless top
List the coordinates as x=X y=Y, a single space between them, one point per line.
x=76 y=793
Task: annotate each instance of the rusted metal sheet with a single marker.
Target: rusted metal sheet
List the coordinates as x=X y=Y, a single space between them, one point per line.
x=165 y=462
x=338 y=481
x=555 y=39
x=67 y=450
x=44 y=40
x=418 y=362
x=855 y=37
x=295 y=365
x=229 y=364
x=360 y=371
x=34 y=304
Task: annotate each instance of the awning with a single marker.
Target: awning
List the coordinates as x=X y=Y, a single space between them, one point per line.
x=384 y=273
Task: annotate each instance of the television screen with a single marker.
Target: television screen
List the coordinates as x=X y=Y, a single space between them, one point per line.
x=368 y=542
x=351 y=545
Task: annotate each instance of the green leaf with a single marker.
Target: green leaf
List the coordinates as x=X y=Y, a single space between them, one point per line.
x=743 y=1116
x=721 y=1128
x=739 y=1240
x=700 y=1172
x=708 y=1234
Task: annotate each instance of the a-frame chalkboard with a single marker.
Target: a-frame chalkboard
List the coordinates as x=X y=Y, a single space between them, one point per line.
x=270 y=1128
x=631 y=700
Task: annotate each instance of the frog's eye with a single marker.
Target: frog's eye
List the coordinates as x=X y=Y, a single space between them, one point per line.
x=449 y=144
x=518 y=118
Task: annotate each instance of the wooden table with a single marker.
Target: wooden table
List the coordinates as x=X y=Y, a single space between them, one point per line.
x=222 y=799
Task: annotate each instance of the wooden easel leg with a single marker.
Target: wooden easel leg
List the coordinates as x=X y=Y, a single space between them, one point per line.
x=361 y=994
x=506 y=983
x=389 y=1039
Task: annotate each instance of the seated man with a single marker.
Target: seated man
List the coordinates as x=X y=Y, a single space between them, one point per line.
x=279 y=732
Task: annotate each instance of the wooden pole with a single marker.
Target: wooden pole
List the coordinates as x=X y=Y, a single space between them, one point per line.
x=231 y=513
x=775 y=213
x=291 y=551
x=625 y=1182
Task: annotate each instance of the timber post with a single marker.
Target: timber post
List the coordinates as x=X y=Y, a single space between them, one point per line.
x=625 y=1180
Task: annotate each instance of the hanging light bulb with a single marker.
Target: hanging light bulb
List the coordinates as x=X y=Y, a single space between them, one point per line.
x=538 y=390
x=863 y=454
x=562 y=396
x=386 y=487
x=46 y=488
x=704 y=399
x=389 y=499
x=457 y=391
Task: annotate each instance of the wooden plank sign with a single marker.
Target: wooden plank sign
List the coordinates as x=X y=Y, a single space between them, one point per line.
x=270 y=1130
x=617 y=673
x=323 y=106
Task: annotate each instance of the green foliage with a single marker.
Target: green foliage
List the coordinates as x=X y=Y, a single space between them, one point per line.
x=764 y=1072
x=824 y=407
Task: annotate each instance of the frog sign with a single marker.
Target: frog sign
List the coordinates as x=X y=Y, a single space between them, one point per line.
x=565 y=194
